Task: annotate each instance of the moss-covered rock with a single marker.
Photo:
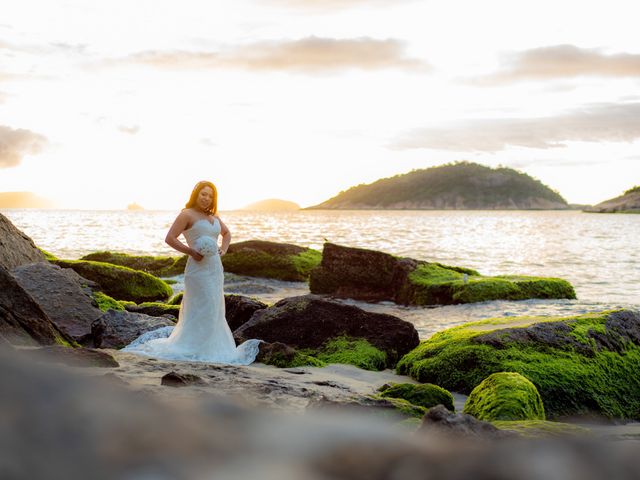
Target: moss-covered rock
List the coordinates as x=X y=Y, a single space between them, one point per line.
x=281 y=261
x=581 y=365
x=505 y=396
x=312 y=322
x=431 y=284
x=372 y=276
x=105 y=302
x=426 y=394
x=159 y=266
x=154 y=309
x=176 y=299
x=283 y=356
x=352 y=351
x=121 y=283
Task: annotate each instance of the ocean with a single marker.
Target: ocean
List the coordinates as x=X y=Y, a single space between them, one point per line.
x=597 y=253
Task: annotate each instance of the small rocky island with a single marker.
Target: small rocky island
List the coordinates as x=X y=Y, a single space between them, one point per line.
x=456 y=186
x=628 y=202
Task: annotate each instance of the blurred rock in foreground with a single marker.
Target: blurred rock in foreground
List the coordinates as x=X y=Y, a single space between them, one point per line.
x=60 y=425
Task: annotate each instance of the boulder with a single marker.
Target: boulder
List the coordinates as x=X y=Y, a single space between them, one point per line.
x=121 y=283
x=505 y=396
x=426 y=394
x=22 y=320
x=440 y=420
x=282 y=261
x=373 y=276
x=583 y=365
x=16 y=248
x=175 y=379
x=117 y=329
x=239 y=309
x=158 y=266
x=309 y=322
x=63 y=295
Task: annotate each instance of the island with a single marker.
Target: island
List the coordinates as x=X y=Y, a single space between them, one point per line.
x=273 y=205
x=628 y=202
x=454 y=186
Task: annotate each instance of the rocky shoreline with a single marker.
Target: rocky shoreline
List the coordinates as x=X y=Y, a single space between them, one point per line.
x=499 y=378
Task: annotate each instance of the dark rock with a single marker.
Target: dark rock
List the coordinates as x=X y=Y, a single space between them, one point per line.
x=174 y=379
x=308 y=321
x=355 y=273
x=64 y=296
x=155 y=310
x=16 y=248
x=239 y=309
x=75 y=357
x=116 y=329
x=22 y=320
x=439 y=419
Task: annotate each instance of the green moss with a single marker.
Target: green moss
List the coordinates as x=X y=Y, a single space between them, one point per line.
x=176 y=299
x=352 y=351
x=425 y=395
x=282 y=267
x=48 y=256
x=105 y=302
x=159 y=308
x=407 y=408
x=159 y=266
x=505 y=396
x=299 y=359
x=570 y=382
x=434 y=283
x=541 y=428
x=121 y=283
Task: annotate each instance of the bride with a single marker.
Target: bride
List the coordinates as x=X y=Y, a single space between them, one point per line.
x=202 y=333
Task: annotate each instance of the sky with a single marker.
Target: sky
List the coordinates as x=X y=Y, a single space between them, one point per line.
x=105 y=103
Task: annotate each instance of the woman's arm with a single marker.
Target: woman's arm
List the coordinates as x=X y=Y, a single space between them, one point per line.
x=179 y=226
x=226 y=237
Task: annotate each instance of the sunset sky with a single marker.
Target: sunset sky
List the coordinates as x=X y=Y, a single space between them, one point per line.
x=103 y=103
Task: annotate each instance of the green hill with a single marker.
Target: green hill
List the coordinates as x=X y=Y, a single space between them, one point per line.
x=629 y=202
x=455 y=186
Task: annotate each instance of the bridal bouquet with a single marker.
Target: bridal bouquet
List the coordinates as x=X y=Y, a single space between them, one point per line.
x=206 y=246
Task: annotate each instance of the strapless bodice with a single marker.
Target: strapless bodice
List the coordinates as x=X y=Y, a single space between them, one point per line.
x=202 y=227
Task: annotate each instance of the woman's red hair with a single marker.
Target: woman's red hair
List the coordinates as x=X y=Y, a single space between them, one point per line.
x=193 y=199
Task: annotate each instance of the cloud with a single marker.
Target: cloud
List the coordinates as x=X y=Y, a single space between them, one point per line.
x=561 y=61
x=15 y=143
x=311 y=54
x=131 y=130
x=611 y=122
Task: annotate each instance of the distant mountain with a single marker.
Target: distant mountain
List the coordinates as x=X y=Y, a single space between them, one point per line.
x=273 y=205
x=23 y=200
x=628 y=202
x=456 y=186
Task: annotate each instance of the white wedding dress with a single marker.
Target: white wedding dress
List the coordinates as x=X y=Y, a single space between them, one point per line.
x=202 y=333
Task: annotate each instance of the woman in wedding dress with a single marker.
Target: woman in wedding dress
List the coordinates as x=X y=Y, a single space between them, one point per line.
x=202 y=333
